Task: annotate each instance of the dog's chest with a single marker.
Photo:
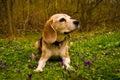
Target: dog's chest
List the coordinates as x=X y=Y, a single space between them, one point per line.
x=57 y=48
x=56 y=51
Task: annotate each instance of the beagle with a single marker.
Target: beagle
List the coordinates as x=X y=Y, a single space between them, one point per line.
x=53 y=42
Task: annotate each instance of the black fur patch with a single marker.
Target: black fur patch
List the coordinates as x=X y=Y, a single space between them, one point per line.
x=40 y=43
x=56 y=43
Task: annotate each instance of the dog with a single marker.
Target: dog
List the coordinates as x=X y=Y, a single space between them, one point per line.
x=53 y=41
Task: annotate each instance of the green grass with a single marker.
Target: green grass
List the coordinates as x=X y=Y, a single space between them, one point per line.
x=94 y=56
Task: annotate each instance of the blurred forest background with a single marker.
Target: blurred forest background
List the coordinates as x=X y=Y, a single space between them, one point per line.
x=17 y=17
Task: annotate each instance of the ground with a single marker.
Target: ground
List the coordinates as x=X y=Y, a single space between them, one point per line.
x=94 y=56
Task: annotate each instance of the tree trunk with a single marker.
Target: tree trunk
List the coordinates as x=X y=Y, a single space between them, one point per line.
x=27 y=17
x=9 y=19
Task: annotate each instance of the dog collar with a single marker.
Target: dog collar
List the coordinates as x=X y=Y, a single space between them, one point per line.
x=58 y=43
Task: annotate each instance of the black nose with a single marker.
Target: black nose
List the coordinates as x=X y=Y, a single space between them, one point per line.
x=76 y=23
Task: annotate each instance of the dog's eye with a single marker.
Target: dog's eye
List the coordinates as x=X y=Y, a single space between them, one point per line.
x=62 y=20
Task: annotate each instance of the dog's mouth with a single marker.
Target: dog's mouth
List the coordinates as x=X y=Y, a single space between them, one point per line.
x=69 y=31
x=76 y=27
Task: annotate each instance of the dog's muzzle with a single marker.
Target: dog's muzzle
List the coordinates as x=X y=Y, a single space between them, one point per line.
x=76 y=23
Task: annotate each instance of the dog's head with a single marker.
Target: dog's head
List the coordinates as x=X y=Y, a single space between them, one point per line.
x=58 y=24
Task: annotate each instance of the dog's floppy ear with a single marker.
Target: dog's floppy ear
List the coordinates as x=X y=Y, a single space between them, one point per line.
x=49 y=33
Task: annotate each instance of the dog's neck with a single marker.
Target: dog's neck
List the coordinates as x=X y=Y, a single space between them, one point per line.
x=59 y=43
x=60 y=37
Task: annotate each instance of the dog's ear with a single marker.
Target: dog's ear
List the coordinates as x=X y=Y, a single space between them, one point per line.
x=49 y=33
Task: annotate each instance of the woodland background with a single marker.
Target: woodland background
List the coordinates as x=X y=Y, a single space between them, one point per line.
x=17 y=17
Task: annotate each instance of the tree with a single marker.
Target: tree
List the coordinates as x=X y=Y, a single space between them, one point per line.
x=9 y=14
x=27 y=17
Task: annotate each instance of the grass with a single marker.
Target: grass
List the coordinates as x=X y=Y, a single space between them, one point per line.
x=94 y=56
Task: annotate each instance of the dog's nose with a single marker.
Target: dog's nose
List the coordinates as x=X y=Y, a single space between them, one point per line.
x=76 y=23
